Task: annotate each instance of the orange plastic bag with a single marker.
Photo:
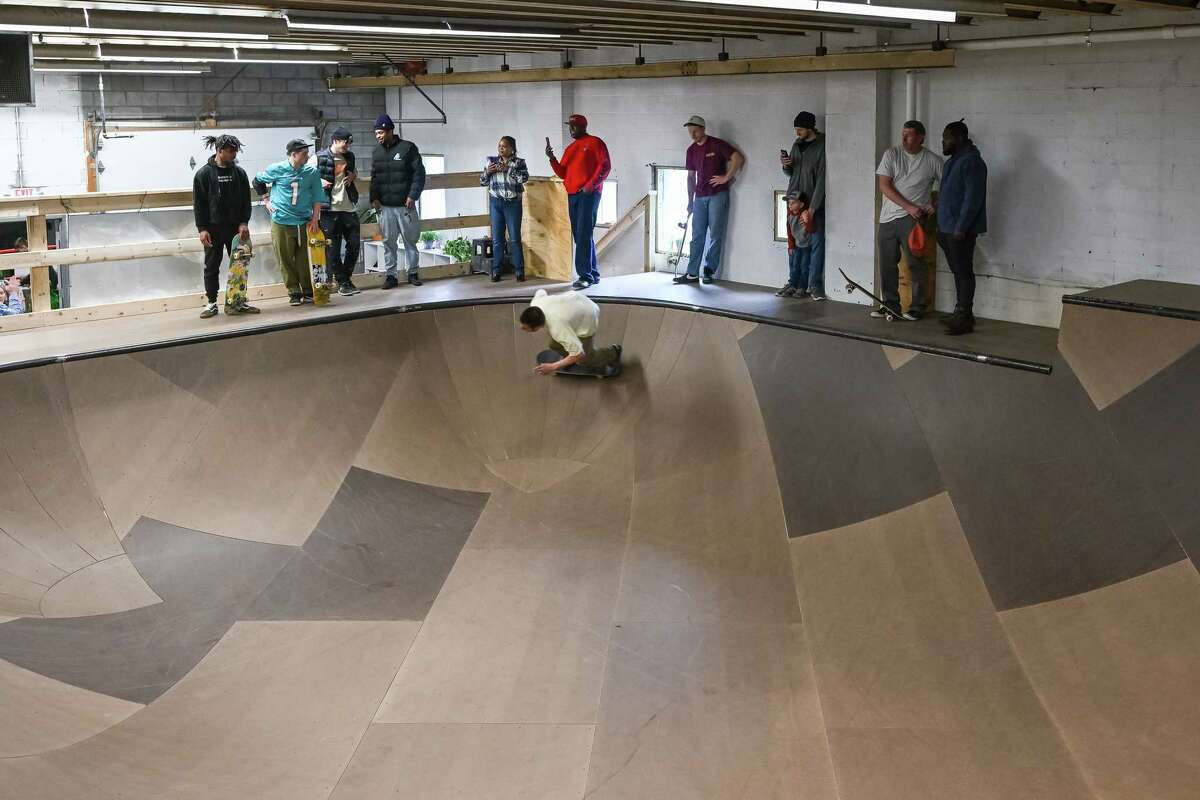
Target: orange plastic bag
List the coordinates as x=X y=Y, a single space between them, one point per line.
x=916 y=239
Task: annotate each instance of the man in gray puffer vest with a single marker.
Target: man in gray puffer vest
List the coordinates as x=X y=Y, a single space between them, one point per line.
x=805 y=168
x=397 y=180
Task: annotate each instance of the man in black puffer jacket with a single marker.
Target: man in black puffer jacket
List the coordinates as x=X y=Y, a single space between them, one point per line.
x=397 y=180
x=339 y=219
x=221 y=204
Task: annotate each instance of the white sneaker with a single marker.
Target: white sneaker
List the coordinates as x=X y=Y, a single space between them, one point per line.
x=878 y=313
x=909 y=317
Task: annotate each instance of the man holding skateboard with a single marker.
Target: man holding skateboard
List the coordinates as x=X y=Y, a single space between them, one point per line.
x=571 y=320
x=295 y=205
x=905 y=176
x=584 y=166
x=712 y=164
x=339 y=219
x=221 y=206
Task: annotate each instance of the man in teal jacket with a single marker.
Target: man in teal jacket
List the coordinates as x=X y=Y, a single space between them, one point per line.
x=295 y=204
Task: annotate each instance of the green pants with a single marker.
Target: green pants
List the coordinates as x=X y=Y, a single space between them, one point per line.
x=593 y=359
x=290 y=243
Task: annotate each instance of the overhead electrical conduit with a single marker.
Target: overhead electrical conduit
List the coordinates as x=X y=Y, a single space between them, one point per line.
x=1052 y=39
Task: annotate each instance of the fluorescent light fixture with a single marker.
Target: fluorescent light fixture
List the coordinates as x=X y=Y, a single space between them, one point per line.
x=77 y=31
x=829 y=7
x=95 y=66
x=53 y=39
x=400 y=31
x=143 y=8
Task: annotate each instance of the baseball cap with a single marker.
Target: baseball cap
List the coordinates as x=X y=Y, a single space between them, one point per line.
x=695 y=120
x=342 y=135
x=295 y=145
x=576 y=119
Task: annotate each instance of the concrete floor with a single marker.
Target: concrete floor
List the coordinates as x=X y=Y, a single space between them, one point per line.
x=381 y=558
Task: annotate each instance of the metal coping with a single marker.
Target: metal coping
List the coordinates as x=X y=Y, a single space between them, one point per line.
x=948 y=352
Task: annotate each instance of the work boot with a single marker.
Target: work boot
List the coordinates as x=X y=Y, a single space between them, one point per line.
x=209 y=311
x=390 y=282
x=961 y=322
x=414 y=279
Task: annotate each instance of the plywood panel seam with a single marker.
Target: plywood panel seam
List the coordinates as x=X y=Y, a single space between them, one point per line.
x=371 y=720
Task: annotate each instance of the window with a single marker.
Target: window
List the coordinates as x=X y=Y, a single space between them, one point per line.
x=607 y=215
x=432 y=204
x=671 y=208
x=781 y=231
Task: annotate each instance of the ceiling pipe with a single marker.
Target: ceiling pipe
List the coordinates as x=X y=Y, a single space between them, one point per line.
x=1085 y=38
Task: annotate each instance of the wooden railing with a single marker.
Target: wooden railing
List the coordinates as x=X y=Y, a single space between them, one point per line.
x=38 y=259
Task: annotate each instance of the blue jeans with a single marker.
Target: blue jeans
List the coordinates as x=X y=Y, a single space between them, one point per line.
x=506 y=214
x=806 y=265
x=710 y=215
x=583 y=207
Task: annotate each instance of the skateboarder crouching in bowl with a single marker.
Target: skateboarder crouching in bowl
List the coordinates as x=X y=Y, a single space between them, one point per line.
x=571 y=320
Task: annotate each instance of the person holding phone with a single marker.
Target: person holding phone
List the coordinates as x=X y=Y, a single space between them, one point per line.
x=805 y=167
x=585 y=165
x=505 y=176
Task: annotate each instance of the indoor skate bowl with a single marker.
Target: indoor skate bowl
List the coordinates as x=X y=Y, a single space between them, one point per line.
x=380 y=558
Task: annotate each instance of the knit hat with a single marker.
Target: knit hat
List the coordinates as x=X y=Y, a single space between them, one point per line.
x=341 y=135
x=384 y=123
x=805 y=119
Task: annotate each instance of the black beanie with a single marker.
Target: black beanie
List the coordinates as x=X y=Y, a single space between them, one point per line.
x=805 y=119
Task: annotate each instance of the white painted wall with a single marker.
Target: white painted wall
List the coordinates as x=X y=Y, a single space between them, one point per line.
x=47 y=139
x=1092 y=156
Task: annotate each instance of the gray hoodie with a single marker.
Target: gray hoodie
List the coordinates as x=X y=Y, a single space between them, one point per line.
x=807 y=173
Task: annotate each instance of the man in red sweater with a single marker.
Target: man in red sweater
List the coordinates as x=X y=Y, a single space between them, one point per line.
x=584 y=166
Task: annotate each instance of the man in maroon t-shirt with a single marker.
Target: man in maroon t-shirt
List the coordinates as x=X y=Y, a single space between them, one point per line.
x=711 y=165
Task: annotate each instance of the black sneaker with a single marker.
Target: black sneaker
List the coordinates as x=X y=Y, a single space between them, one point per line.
x=495 y=277
x=617 y=347
x=958 y=326
x=209 y=311
x=581 y=284
x=243 y=308
x=521 y=278
x=787 y=291
x=390 y=282
x=346 y=290
x=353 y=287
x=414 y=279
x=818 y=295
x=295 y=300
x=685 y=278
x=707 y=279
x=307 y=300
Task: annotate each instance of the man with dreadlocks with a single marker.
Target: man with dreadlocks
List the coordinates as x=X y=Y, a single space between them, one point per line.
x=221 y=204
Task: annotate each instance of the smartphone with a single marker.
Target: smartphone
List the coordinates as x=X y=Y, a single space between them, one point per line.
x=783 y=153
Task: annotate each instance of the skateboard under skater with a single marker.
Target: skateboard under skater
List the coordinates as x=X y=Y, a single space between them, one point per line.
x=550 y=356
x=322 y=287
x=236 y=287
x=890 y=313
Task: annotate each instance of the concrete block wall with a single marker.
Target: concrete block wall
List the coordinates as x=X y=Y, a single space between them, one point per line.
x=45 y=140
x=1091 y=154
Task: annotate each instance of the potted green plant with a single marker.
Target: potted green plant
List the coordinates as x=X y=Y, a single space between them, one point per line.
x=429 y=239
x=458 y=249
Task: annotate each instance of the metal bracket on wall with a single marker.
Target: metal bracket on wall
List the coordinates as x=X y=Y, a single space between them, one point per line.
x=400 y=71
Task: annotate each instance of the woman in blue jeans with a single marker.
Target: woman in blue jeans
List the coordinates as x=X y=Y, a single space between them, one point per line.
x=505 y=176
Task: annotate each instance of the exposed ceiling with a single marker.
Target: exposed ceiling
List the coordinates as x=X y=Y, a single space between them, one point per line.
x=374 y=32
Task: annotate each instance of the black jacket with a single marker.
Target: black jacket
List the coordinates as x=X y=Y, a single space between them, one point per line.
x=325 y=166
x=397 y=173
x=220 y=195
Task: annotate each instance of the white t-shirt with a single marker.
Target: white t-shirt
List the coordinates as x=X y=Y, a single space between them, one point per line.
x=570 y=316
x=913 y=177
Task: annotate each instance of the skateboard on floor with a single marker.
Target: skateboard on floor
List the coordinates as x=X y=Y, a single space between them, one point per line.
x=317 y=255
x=550 y=356
x=236 y=286
x=892 y=314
